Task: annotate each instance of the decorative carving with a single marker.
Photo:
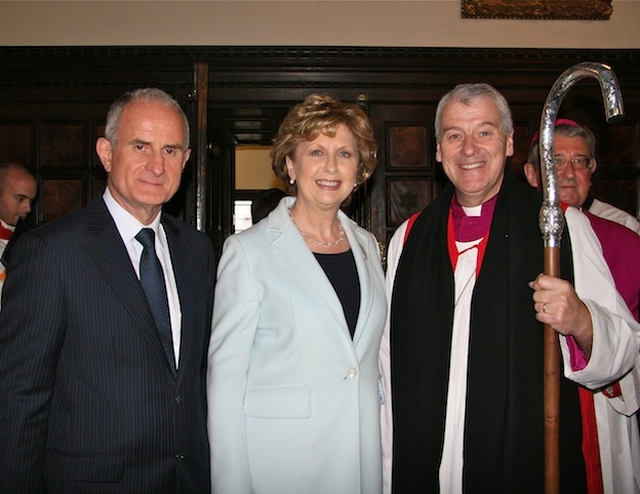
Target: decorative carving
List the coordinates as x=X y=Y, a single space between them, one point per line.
x=537 y=9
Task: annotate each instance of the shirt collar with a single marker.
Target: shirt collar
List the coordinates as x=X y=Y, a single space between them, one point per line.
x=128 y=226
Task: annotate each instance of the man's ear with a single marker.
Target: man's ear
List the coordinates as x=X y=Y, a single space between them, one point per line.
x=510 y=146
x=187 y=154
x=104 y=152
x=594 y=165
x=533 y=177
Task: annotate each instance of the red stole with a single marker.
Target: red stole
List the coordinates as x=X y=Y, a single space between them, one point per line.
x=5 y=233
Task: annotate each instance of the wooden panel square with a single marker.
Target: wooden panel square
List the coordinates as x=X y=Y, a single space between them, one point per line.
x=408 y=146
x=618 y=145
x=405 y=197
x=63 y=145
x=61 y=197
x=14 y=143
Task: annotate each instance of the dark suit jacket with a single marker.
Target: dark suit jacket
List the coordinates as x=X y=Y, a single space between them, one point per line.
x=89 y=403
x=21 y=227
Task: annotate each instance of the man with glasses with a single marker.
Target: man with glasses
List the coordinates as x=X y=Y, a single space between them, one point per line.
x=574 y=148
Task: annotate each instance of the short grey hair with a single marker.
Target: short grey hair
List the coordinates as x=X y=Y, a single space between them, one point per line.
x=466 y=94
x=567 y=131
x=114 y=116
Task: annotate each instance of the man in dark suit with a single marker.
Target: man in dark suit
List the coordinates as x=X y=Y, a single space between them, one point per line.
x=99 y=392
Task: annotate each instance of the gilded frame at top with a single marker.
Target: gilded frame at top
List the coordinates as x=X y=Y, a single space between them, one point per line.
x=537 y=9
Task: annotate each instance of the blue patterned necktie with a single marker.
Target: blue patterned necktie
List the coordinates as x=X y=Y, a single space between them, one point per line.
x=152 y=281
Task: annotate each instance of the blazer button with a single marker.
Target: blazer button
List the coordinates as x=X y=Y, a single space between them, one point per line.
x=178 y=399
x=179 y=457
x=352 y=373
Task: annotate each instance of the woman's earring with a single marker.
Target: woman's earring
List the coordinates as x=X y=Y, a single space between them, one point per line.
x=291 y=181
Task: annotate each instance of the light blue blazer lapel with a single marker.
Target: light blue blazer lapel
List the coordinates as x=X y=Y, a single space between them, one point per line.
x=365 y=254
x=289 y=244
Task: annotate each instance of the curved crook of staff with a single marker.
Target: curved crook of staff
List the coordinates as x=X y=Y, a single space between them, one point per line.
x=551 y=221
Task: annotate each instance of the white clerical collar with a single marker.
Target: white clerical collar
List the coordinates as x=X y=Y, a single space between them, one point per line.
x=472 y=210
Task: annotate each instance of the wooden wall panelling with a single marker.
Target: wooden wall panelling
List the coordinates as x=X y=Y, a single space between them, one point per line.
x=409 y=170
x=77 y=84
x=407 y=177
x=618 y=154
x=15 y=142
x=61 y=196
x=58 y=90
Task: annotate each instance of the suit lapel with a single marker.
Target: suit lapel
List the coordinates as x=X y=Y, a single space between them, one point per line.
x=183 y=273
x=113 y=262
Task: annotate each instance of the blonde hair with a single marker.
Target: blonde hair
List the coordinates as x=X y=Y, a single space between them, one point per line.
x=322 y=113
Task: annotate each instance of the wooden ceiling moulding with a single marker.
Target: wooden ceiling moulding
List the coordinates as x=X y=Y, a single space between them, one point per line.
x=537 y=9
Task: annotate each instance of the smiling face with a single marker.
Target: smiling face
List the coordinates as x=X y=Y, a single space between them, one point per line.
x=325 y=169
x=573 y=185
x=145 y=163
x=473 y=149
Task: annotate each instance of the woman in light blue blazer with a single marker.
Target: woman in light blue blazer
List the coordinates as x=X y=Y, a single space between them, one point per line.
x=292 y=381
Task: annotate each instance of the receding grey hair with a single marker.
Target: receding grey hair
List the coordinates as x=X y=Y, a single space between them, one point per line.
x=466 y=94
x=114 y=116
x=567 y=131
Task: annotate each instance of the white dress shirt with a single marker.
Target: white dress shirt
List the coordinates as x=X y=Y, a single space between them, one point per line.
x=128 y=227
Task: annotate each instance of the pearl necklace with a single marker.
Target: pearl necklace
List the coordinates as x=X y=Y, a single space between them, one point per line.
x=313 y=240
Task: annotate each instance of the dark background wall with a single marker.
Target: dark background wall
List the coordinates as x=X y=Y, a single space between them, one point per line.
x=53 y=101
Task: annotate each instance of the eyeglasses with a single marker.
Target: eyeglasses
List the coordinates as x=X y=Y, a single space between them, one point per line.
x=577 y=163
